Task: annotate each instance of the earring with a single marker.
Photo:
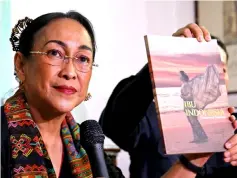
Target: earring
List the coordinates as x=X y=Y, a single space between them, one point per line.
x=88 y=97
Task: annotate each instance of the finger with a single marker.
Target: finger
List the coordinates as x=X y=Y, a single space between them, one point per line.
x=182 y=36
x=178 y=32
x=184 y=32
x=233 y=163
x=231 y=152
x=233 y=121
x=206 y=33
x=187 y=33
x=230 y=145
x=235 y=125
x=232 y=118
x=196 y=31
x=231 y=110
x=231 y=158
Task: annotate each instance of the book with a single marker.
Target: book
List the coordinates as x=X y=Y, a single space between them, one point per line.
x=190 y=94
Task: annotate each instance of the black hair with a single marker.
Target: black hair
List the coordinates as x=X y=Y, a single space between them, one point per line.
x=222 y=45
x=184 y=76
x=26 y=38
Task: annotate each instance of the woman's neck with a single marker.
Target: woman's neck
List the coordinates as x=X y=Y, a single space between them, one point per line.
x=49 y=124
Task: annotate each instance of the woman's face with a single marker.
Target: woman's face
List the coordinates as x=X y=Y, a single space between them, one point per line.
x=51 y=87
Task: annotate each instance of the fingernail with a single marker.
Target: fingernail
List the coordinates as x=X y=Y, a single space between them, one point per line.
x=228 y=145
x=200 y=38
x=208 y=38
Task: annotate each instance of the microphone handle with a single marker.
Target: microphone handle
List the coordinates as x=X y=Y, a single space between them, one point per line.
x=97 y=160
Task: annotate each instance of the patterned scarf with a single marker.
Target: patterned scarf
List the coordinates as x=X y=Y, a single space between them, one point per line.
x=29 y=156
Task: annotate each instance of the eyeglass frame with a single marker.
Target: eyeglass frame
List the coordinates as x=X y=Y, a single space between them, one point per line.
x=64 y=59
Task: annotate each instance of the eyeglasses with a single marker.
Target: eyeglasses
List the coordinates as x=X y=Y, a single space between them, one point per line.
x=56 y=58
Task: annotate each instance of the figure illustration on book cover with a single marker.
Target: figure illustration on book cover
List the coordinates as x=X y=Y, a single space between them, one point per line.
x=197 y=93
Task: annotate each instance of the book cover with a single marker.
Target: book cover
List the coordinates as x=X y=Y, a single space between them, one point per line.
x=190 y=94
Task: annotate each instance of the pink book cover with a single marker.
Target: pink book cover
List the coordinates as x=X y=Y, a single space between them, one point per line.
x=190 y=94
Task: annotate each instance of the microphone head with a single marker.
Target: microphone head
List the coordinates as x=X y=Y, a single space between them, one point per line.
x=91 y=133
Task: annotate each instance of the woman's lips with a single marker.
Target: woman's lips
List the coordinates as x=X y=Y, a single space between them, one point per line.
x=69 y=90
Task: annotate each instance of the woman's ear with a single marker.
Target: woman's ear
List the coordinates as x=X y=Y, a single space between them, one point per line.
x=19 y=66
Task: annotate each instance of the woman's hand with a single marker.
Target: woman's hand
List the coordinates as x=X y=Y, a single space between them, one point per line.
x=194 y=31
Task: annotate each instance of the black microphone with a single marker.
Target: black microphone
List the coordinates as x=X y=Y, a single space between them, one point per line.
x=92 y=140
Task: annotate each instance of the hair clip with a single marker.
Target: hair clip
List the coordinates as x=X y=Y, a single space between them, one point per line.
x=17 y=31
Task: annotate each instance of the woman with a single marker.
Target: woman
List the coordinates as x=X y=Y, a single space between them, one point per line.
x=53 y=61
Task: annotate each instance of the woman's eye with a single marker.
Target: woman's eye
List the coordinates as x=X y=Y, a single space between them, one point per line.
x=83 y=59
x=55 y=53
